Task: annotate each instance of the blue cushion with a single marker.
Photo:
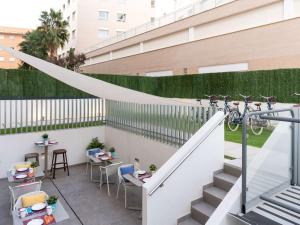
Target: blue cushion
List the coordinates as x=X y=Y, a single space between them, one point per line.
x=127 y=170
x=94 y=151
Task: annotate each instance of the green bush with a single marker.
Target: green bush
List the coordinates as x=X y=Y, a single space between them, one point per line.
x=280 y=83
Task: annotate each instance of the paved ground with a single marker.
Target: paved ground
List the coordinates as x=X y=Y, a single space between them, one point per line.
x=91 y=204
x=235 y=150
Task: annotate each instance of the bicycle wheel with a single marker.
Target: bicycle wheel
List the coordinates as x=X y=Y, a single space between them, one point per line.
x=233 y=120
x=256 y=125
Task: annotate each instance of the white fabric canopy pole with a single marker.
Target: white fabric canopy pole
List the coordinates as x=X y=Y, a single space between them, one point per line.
x=88 y=84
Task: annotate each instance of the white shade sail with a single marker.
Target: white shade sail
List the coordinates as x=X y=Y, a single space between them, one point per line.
x=88 y=84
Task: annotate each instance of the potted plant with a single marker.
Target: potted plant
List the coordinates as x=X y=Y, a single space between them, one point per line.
x=52 y=200
x=113 y=152
x=95 y=143
x=152 y=168
x=45 y=138
x=34 y=165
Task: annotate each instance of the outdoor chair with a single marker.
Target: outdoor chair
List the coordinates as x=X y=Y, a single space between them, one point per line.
x=90 y=152
x=122 y=170
x=20 y=190
x=108 y=171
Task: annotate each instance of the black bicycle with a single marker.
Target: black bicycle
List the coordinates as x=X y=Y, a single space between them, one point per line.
x=235 y=117
x=213 y=100
x=227 y=107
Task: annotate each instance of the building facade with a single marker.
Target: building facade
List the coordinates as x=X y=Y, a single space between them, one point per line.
x=93 y=21
x=10 y=37
x=233 y=35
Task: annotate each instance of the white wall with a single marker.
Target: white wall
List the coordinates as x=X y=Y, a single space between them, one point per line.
x=130 y=146
x=173 y=199
x=14 y=147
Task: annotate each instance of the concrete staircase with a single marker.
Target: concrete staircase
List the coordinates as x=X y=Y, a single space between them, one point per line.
x=213 y=194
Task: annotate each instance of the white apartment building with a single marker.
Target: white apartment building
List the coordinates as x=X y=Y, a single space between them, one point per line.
x=93 y=21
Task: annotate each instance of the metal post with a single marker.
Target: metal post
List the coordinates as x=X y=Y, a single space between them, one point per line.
x=244 y=164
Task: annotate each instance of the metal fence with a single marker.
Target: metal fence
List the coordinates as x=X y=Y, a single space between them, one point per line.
x=172 y=124
x=32 y=115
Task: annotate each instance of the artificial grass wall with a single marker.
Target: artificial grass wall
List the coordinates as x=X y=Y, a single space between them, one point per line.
x=28 y=84
x=281 y=83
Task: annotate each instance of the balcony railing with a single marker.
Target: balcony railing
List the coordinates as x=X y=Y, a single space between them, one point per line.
x=179 y=14
x=33 y=115
x=171 y=124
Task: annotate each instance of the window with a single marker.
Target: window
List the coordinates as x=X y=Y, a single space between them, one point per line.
x=121 y=17
x=121 y=33
x=69 y=2
x=1 y=36
x=152 y=3
x=73 y=34
x=152 y=19
x=1 y=58
x=73 y=16
x=11 y=37
x=11 y=59
x=103 y=34
x=68 y=19
x=64 y=7
x=103 y=15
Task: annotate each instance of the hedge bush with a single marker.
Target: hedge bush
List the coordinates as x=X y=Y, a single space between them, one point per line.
x=281 y=83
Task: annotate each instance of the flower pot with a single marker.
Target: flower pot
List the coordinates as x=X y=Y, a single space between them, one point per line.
x=114 y=154
x=46 y=142
x=53 y=207
x=153 y=172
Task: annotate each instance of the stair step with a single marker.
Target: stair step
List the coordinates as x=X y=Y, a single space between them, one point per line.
x=214 y=195
x=224 y=181
x=202 y=211
x=189 y=221
x=232 y=170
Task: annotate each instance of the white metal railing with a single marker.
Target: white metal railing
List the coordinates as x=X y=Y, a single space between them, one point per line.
x=33 y=115
x=188 y=11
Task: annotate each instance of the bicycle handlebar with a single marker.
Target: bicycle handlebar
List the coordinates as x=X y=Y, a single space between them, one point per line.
x=244 y=96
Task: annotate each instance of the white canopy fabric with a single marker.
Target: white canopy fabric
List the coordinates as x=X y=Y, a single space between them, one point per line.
x=88 y=84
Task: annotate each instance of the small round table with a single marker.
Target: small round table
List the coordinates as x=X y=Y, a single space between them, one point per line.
x=42 y=145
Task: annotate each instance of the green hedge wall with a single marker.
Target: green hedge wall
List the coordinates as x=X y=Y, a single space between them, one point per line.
x=18 y=84
x=281 y=83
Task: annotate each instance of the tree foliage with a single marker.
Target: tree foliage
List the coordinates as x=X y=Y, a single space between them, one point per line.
x=54 y=31
x=72 y=61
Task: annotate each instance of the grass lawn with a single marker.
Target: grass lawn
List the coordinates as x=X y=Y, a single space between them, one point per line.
x=253 y=140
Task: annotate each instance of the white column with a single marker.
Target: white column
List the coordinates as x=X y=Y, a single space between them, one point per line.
x=110 y=55
x=288 y=9
x=141 y=47
x=191 y=33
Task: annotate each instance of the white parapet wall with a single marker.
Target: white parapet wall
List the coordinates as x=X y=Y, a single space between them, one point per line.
x=130 y=146
x=14 y=147
x=169 y=193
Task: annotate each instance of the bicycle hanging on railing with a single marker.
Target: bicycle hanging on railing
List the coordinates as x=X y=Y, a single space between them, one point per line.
x=235 y=117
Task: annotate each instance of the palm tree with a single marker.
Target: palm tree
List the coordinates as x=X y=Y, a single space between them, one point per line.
x=54 y=28
x=33 y=45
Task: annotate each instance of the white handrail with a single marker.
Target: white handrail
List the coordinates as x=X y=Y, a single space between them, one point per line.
x=211 y=125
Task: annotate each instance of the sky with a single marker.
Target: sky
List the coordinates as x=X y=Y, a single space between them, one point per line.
x=24 y=13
